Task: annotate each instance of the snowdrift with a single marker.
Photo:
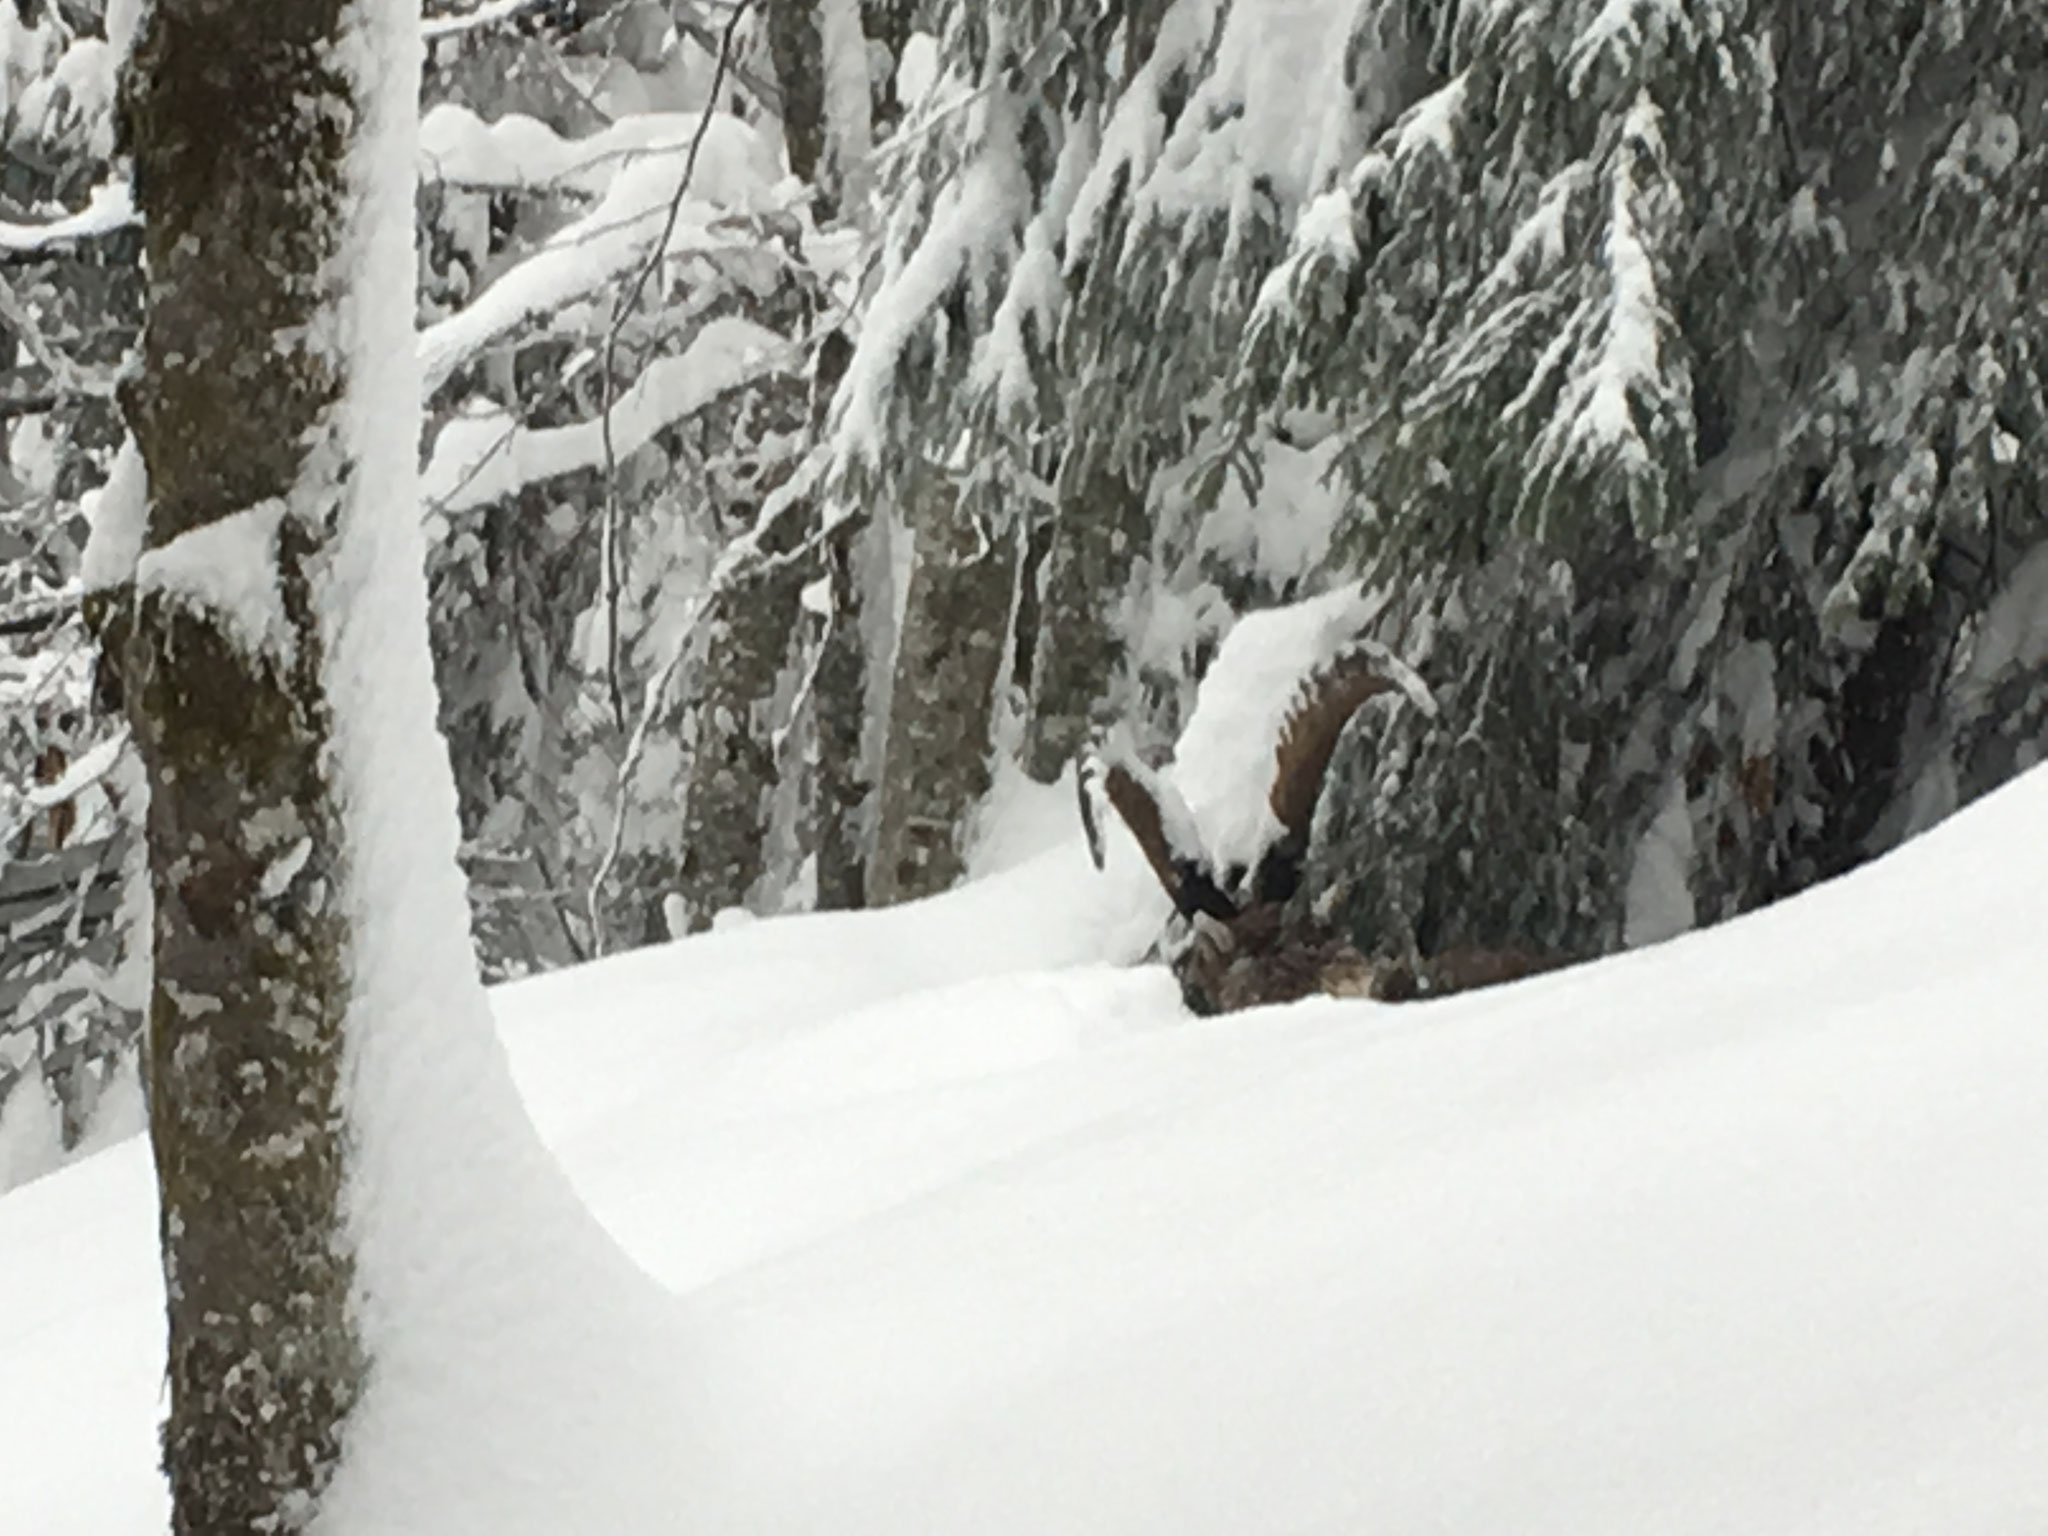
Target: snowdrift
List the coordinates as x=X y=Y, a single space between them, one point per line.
x=970 y=1231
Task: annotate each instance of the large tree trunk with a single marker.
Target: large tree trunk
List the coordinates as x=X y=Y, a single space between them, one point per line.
x=1101 y=530
x=240 y=117
x=941 y=710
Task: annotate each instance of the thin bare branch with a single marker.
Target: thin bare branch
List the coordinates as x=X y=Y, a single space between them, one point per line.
x=612 y=563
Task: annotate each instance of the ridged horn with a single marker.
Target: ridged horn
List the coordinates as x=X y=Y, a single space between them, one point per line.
x=1322 y=707
x=1164 y=830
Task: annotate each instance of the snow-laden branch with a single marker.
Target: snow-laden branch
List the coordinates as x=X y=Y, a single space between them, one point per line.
x=622 y=311
x=487 y=456
x=974 y=229
x=520 y=153
x=489 y=14
x=1611 y=389
x=110 y=207
x=735 y=175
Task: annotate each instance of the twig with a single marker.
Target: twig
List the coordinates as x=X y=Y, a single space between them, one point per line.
x=613 y=576
x=12 y=406
x=38 y=618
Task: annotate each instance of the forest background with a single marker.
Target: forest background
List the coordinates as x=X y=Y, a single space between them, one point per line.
x=837 y=408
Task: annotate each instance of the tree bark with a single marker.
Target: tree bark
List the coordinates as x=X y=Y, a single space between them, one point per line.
x=796 y=46
x=1101 y=530
x=239 y=120
x=942 y=708
x=840 y=712
x=733 y=771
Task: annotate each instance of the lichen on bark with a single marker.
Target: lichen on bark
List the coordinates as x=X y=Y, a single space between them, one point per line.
x=238 y=121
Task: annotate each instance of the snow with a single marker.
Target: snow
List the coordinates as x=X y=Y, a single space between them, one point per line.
x=86 y=770
x=228 y=566
x=31 y=1130
x=489 y=13
x=1223 y=763
x=1630 y=350
x=1135 y=134
x=1283 y=529
x=975 y=221
x=1623 y=32
x=918 y=70
x=1245 y=145
x=1658 y=903
x=465 y=1234
x=75 y=99
x=970 y=1232
x=1036 y=290
x=117 y=515
x=1431 y=124
x=517 y=153
x=1247 y=134
x=2014 y=632
x=735 y=175
x=485 y=455
x=110 y=206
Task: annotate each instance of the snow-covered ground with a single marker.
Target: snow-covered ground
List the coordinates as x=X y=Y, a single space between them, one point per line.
x=963 y=1229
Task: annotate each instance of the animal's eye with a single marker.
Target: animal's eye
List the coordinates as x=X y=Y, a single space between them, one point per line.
x=1233 y=880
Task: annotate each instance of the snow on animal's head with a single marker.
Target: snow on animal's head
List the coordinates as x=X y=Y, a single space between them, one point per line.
x=1223 y=764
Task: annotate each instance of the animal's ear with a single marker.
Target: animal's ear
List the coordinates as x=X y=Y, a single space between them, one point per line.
x=1323 y=705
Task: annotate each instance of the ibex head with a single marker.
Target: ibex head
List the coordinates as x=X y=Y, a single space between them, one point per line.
x=1250 y=942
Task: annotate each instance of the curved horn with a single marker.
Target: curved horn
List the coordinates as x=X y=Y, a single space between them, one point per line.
x=1165 y=832
x=1324 y=704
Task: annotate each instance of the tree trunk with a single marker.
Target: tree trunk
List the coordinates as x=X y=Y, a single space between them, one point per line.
x=733 y=770
x=890 y=23
x=1100 y=532
x=239 y=118
x=941 y=710
x=840 y=710
x=797 y=48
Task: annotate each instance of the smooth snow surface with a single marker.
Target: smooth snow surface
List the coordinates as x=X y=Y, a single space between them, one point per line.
x=969 y=1232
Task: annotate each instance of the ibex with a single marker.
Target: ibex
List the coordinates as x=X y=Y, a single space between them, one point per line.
x=1251 y=941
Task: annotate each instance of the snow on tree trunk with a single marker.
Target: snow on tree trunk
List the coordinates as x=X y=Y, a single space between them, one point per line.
x=942 y=705
x=241 y=122
x=1101 y=530
x=363 y=1239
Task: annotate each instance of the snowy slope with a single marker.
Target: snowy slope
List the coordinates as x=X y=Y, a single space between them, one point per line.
x=974 y=1233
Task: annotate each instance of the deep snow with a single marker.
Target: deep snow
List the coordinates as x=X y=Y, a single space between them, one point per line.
x=971 y=1232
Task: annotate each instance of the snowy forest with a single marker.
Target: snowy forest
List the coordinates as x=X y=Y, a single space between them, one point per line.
x=825 y=426
x=832 y=412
